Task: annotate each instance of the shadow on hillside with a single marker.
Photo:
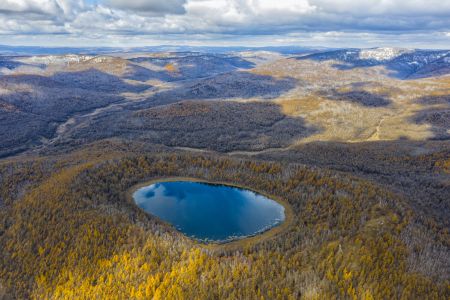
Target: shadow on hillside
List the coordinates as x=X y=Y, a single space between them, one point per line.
x=358 y=96
x=98 y=81
x=186 y=67
x=437 y=117
x=89 y=80
x=9 y=63
x=31 y=113
x=221 y=126
x=20 y=130
x=230 y=85
x=431 y=100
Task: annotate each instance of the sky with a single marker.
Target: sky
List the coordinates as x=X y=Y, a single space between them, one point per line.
x=133 y=23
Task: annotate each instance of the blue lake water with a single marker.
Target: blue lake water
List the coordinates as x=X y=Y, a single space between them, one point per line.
x=210 y=212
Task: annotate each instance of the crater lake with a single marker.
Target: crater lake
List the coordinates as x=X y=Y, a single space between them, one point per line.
x=210 y=212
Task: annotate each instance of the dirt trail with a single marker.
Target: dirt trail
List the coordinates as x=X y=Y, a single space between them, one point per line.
x=376 y=135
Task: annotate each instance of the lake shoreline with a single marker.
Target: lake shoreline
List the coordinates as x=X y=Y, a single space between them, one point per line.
x=223 y=245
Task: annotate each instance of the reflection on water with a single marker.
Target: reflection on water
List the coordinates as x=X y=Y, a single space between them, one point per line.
x=210 y=212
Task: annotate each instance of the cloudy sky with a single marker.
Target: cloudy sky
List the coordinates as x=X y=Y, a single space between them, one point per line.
x=335 y=23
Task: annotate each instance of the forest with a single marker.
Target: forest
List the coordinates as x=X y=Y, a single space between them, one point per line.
x=67 y=230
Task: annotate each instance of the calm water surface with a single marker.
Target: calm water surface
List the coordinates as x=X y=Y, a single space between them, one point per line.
x=210 y=212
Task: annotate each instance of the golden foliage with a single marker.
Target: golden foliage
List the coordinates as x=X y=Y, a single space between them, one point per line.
x=171 y=68
x=75 y=236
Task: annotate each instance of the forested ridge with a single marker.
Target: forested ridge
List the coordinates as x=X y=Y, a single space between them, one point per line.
x=67 y=230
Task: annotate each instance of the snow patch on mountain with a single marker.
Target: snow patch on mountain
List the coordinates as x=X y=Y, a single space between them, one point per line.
x=382 y=54
x=56 y=59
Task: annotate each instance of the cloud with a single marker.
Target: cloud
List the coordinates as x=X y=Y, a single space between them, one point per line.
x=150 y=6
x=52 y=8
x=30 y=6
x=191 y=21
x=384 y=7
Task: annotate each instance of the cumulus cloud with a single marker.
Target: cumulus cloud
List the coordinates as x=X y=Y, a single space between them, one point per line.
x=30 y=6
x=192 y=20
x=52 y=8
